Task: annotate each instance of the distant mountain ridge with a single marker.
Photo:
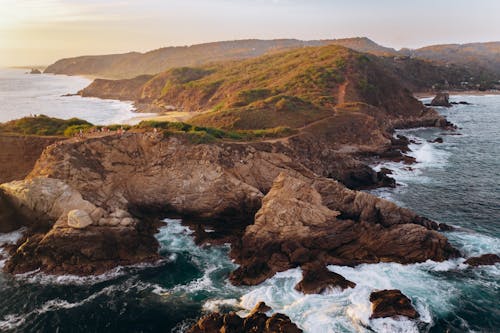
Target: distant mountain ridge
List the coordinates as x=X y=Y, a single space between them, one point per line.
x=133 y=64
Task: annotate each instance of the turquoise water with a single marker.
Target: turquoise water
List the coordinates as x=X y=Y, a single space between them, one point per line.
x=457 y=182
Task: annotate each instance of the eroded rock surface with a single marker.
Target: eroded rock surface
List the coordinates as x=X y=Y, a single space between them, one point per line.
x=391 y=303
x=302 y=217
x=320 y=220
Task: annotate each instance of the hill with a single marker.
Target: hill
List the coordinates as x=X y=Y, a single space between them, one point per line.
x=291 y=88
x=133 y=64
x=467 y=66
x=475 y=56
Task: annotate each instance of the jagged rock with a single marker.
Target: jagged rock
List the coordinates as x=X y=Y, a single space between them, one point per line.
x=316 y=278
x=391 y=303
x=484 y=260
x=35 y=71
x=297 y=224
x=63 y=240
x=255 y=322
x=261 y=307
x=79 y=219
x=441 y=99
x=223 y=181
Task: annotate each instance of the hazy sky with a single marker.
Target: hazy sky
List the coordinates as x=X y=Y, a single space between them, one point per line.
x=42 y=31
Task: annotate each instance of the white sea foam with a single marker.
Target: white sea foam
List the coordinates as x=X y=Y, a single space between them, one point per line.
x=13 y=321
x=432 y=294
x=45 y=279
x=6 y=239
x=212 y=261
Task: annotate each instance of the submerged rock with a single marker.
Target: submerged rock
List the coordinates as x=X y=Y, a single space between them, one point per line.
x=256 y=322
x=317 y=278
x=484 y=260
x=441 y=99
x=391 y=303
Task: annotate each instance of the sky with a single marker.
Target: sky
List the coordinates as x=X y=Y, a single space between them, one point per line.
x=38 y=32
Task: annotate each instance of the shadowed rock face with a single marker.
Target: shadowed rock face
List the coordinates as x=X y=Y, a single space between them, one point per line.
x=317 y=278
x=19 y=154
x=391 y=303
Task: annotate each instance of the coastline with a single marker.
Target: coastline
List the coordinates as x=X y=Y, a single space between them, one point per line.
x=419 y=95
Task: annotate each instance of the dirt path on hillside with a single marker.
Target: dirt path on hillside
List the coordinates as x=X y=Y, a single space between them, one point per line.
x=341 y=94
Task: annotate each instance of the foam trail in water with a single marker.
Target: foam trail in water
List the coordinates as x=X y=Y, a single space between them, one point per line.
x=212 y=261
x=13 y=321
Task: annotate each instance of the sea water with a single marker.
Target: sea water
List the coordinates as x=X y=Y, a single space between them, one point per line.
x=24 y=94
x=456 y=182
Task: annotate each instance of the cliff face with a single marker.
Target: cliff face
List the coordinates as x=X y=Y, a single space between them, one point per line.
x=126 y=89
x=19 y=154
x=111 y=176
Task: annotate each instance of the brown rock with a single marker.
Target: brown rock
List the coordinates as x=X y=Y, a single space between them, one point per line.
x=297 y=223
x=19 y=154
x=485 y=259
x=441 y=99
x=316 y=278
x=391 y=303
x=255 y=322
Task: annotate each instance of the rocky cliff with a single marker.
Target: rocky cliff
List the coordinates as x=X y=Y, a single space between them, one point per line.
x=86 y=196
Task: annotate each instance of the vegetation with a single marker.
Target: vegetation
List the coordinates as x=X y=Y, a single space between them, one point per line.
x=47 y=126
x=200 y=134
x=43 y=125
x=288 y=89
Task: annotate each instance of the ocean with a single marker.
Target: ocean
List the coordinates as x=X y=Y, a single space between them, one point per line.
x=23 y=94
x=456 y=182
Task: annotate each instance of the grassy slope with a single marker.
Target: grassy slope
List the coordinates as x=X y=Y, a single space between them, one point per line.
x=132 y=64
x=289 y=89
x=43 y=126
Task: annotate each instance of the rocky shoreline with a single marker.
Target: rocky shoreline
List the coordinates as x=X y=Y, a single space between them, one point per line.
x=92 y=203
x=94 y=190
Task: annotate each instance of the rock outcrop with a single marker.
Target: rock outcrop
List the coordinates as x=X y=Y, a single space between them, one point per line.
x=317 y=278
x=319 y=220
x=391 y=303
x=484 y=260
x=256 y=322
x=302 y=218
x=441 y=99
x=67 y=233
